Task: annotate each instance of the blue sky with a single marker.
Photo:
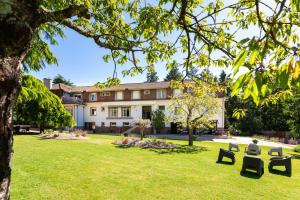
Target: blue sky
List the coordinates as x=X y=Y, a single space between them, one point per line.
x=80 y=60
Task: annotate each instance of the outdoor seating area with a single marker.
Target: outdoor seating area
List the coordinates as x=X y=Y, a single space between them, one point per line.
x=277 y=150
x=281 y=161
x=252 y=161
x=234 y=146
x=253 y=149
x=227 y=154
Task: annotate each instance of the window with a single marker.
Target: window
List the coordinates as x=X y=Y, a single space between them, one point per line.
x=136 y=94
x=102 y=109
x=119 y=95
x=105 y=94
x=93 y=97
x=113 y=112
x=161 y=94
x=177 y=92
x=162 y=108
x=93 y=111
x=102 y=123
x=125 y=111
x=125 y=123
x=113 y=124
x=146 y=92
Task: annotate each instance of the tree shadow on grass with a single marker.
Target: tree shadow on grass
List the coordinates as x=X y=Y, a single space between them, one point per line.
x=250 y=174
x=180 y=149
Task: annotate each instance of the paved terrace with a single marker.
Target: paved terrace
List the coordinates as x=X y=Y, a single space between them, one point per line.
x=223 y=139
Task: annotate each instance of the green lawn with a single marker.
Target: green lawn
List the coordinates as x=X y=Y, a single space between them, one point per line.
x=96 y=169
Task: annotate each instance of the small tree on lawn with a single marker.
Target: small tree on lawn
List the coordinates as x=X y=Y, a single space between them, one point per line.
x=195 y=110
x=142 y=125
x=158 y=120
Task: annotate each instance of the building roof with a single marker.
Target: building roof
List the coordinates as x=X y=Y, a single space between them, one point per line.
x=126 y=86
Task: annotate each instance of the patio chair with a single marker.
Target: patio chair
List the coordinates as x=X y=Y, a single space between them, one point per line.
x=276 y=150
x=253 y=163
x=234 y=146
x=253 y=149
x=281 y=161
x=227 y=154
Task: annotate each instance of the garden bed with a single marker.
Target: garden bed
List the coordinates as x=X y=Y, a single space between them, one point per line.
x=77 y=135
x=153 y=144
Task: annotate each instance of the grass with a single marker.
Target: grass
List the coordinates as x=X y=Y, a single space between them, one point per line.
x=96 y=169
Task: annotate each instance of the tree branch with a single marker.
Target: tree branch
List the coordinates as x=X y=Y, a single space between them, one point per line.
x=60 y=15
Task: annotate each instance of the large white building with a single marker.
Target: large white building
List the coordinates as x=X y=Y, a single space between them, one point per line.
x=116 y=109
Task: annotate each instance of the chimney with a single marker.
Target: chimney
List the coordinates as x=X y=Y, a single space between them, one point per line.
x=48 y=83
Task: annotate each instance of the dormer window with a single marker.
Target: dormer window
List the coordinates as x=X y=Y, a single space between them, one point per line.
x=93 y=97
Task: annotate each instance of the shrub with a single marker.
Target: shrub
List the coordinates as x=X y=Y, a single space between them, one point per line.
x=158 y=119
x=297 y=148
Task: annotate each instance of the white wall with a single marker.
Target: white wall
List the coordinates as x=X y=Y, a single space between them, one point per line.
x=136 y=111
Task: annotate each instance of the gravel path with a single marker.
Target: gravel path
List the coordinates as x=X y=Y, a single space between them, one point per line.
x=213 y=138
x=248 y=140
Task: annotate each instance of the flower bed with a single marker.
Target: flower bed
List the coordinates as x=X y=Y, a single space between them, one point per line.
x=154 y=144
x=77 y=135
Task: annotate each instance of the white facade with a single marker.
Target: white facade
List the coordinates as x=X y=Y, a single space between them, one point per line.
x=102 y=117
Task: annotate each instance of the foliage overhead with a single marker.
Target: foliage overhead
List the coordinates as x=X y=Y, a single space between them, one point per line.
x=60 y=79
x=36 y=104
x=183 y=33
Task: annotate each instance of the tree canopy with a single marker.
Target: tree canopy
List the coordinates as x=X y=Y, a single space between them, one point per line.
x=174 y=75
x=36 y=104
x=195 y=110
x=152 y=77
x=60 y=79
x=134 y=31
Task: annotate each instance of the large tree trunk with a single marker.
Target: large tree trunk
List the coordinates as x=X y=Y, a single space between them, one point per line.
x=15 y=37
x=9 y=86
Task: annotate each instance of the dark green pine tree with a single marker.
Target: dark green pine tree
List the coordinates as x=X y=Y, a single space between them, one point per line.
x=174 y=75
x=60 y=79
x=152 y=77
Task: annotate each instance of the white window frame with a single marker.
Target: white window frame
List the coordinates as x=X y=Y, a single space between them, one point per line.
x=126 y=124
x=91 y=112
x=164 y=107
x=136 y=94
x=124 y=111
x=113 y=112
x=119 y=95
x=161 y=93
x=93 y=97
x=111 y=124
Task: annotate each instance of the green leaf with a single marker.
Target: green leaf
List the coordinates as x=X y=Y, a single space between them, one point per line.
x=252 y=57
x=239 y=60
